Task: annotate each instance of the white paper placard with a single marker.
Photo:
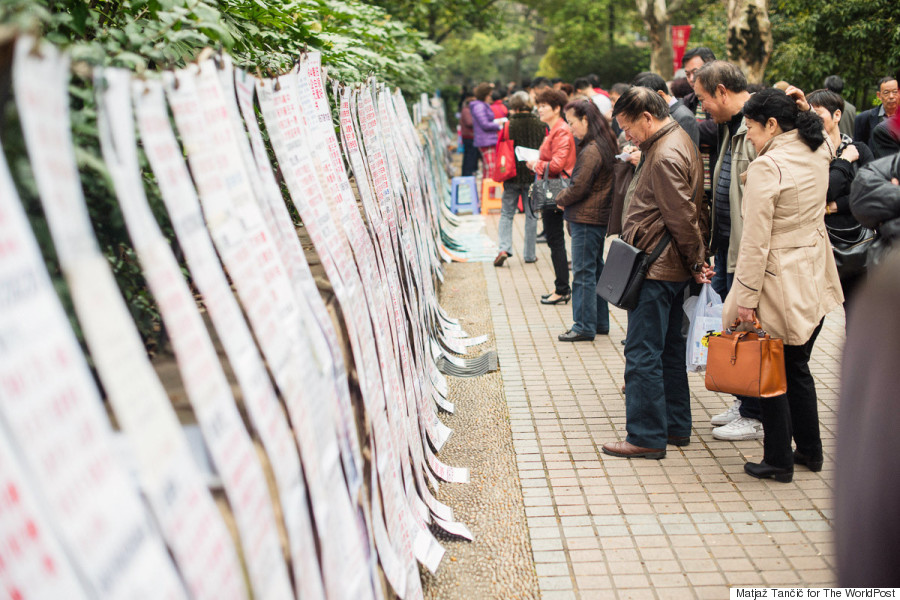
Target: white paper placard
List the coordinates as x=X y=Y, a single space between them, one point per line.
x=246 y=247
x=178 y=194
x=32 y=562
x=188 y=517
x=207 y=387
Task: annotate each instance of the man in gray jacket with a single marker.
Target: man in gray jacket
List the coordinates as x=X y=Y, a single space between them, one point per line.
x=722 y=88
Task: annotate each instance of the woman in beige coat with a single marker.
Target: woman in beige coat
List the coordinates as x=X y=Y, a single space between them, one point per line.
x=786 y=276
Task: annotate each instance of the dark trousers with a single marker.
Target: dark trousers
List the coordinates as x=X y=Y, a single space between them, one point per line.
x=470 y=158
x=556 y=240
x=722 y=282
x=794 y=414
x=657 y=397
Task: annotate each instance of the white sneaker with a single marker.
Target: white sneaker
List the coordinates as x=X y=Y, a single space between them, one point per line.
x=741 y=428
x=733 y=412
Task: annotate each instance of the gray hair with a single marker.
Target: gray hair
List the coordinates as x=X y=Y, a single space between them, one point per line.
x=519 y=101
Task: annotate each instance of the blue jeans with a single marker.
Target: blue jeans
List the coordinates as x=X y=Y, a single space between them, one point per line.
x=657 y=397
x=589 y=311
x=511 y=193
x=722 y=280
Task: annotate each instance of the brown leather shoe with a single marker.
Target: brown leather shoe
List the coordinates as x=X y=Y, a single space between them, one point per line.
x=626 y=450
x=501 y=258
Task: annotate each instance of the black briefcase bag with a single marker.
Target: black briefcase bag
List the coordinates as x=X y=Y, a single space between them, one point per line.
x=625 y=270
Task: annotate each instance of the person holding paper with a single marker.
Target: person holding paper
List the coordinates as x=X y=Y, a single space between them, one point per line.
x=586 y=205
x=527 y=132
x=557 y=158
x=486 y=128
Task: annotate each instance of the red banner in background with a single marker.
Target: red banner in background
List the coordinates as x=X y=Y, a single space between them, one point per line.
x=680 y=36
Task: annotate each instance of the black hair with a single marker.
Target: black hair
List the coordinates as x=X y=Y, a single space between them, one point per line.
x=772 y=103
x=539 y=82
x=720 y=72
x=526 y=84
x=498 y=94
x=595 y=81
x=555 y=80
x=598 y=128
x=649 y=79
x=681 y=88
x=619 y=88
x=834 y=83
x=705 y=53
x=638 y=100
x=830 y=101
x=581 y=83
x=884 y=80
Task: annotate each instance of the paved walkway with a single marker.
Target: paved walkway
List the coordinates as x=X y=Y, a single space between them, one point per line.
x=692 y=524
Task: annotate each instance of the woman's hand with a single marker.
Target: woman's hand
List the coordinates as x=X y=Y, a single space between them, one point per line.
x=831 y=208
x=746 y=315
x=798 y=96
x=850 y=153
x=531 y=164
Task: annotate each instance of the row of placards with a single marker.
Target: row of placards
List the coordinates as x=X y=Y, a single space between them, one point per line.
x=84 y=515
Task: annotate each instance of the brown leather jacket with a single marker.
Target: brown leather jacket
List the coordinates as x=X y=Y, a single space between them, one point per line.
x=587 y=199
x=667 y=195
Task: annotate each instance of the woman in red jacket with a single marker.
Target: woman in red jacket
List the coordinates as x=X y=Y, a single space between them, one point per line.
x=557 y=156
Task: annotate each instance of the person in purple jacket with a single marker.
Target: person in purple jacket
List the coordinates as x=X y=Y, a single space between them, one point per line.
x=485 y=127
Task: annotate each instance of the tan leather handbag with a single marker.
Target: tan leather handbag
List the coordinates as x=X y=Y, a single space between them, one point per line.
x=746 y=363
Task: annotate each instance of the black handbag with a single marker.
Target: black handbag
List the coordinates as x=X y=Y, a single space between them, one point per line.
x=851 y=249
x=544 y=191
x=625 y=271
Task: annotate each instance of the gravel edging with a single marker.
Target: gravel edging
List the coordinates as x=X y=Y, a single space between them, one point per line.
x=499 y=562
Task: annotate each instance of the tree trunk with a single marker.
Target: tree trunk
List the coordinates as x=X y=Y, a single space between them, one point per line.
x=750 y=37
x=657 y=18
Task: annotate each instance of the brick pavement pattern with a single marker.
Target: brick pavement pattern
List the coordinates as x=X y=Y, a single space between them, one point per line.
x=692 y=524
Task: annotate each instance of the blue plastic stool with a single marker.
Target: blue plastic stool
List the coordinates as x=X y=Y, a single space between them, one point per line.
x=468 y=184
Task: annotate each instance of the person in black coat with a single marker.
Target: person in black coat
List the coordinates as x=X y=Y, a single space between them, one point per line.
x=868 y=120
x=875 y=202
x=849 y=157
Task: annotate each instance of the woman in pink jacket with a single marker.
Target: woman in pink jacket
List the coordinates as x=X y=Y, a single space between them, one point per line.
x=558 y=158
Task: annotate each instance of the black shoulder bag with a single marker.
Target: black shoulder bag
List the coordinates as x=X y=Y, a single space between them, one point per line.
x=625 y=271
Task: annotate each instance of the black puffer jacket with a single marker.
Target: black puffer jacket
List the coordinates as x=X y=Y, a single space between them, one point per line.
x=875 y=201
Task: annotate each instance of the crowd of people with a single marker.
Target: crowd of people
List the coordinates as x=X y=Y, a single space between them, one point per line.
x=780 y=200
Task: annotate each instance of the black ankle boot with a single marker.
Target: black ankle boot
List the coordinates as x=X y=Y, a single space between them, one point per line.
x=813 y=464
x=764 y=471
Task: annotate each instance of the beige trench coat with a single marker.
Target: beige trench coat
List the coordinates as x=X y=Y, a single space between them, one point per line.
x=785 y=267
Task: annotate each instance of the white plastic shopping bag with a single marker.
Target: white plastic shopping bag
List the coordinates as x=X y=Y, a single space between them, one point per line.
x=705 y=314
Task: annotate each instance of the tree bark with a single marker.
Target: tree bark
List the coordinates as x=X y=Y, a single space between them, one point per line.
x=657 y=18
x=750 y=37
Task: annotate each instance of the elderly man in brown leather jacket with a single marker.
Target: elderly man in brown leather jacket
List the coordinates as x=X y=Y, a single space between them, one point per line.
x=665 y=201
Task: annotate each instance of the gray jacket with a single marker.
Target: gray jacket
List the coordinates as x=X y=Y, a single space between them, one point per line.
x=683 y=115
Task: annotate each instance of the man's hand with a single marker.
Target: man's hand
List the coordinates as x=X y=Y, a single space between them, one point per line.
x=850 y=153
x=798 y=96
x=895 y=181
x=747 y=315
x=705 y=275
x=635 y=157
